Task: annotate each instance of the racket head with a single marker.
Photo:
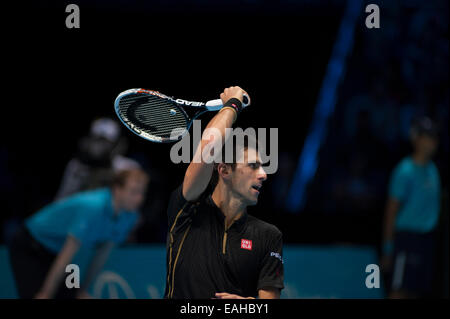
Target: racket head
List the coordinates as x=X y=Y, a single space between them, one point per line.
x=152 y=115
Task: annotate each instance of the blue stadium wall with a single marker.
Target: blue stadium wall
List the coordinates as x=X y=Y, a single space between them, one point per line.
x=139 y=271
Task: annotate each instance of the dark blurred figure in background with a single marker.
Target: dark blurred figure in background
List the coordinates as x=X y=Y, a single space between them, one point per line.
x=100 y=154
x=49 y=239
x=411 y=217
x=394 y=75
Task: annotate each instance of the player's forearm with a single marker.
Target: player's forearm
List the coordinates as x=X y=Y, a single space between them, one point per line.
x=388 y=231
x=389 y=225
x=58 y=267
x=96 y=264
x=222 y=120
x=389 y=220
x=54 y=276
x=200 y=170
x=214 y=134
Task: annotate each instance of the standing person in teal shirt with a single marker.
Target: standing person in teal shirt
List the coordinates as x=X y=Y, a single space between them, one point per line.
x=412 y=216
x=49 y=239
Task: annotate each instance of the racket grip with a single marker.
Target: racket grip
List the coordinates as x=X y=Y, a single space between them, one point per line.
x=215 y=105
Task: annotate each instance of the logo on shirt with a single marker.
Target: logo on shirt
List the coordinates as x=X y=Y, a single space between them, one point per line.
x=277 y=255
x=246 y=244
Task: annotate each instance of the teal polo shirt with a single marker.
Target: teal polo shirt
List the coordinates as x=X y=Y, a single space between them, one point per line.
x=417 y=188
x=87 y=216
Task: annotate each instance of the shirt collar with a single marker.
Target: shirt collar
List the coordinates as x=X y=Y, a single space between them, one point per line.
x=238 y=224
x=110 y=208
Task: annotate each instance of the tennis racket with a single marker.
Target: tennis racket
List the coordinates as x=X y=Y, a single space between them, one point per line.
x=160 y=118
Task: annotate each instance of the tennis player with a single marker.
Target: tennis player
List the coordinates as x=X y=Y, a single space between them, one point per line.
x=50 y=238
x=215 y=249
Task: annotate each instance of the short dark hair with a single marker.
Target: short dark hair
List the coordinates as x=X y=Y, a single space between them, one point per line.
x=120 y=178
x=249 y=141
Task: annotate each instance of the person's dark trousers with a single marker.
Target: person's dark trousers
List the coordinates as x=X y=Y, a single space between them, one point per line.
x=30 y=263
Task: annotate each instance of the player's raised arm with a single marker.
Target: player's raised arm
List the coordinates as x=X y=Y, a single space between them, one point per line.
x=199 y=172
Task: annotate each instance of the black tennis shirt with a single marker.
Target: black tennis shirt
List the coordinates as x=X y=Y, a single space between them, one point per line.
x=203 y=258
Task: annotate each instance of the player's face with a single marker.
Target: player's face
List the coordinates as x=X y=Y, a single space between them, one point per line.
x=132 y=194
x=248 y=177
x=427 y=145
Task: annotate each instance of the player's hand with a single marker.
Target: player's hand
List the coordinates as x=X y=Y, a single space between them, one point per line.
x=232 y=92
x=225 y=295
x=84 y=295
x=41 y=295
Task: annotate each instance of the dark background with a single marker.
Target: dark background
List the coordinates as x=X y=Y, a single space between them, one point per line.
x=60 y=79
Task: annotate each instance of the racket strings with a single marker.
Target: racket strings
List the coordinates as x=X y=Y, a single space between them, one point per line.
x=154 y=115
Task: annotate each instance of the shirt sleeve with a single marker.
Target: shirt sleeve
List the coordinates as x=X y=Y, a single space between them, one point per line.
x=126 y=228
x=399 y=184
x=80 y=228
x=272 y=269
x=179 y=210
x=86 y=222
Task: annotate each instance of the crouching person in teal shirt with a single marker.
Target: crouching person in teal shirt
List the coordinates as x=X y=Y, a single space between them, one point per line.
x=49 y=239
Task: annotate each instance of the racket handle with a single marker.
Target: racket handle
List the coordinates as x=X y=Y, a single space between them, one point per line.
x=215 y=105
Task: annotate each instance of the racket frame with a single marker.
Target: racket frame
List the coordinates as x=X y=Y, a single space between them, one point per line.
x=209 y=106
x=212 y=105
